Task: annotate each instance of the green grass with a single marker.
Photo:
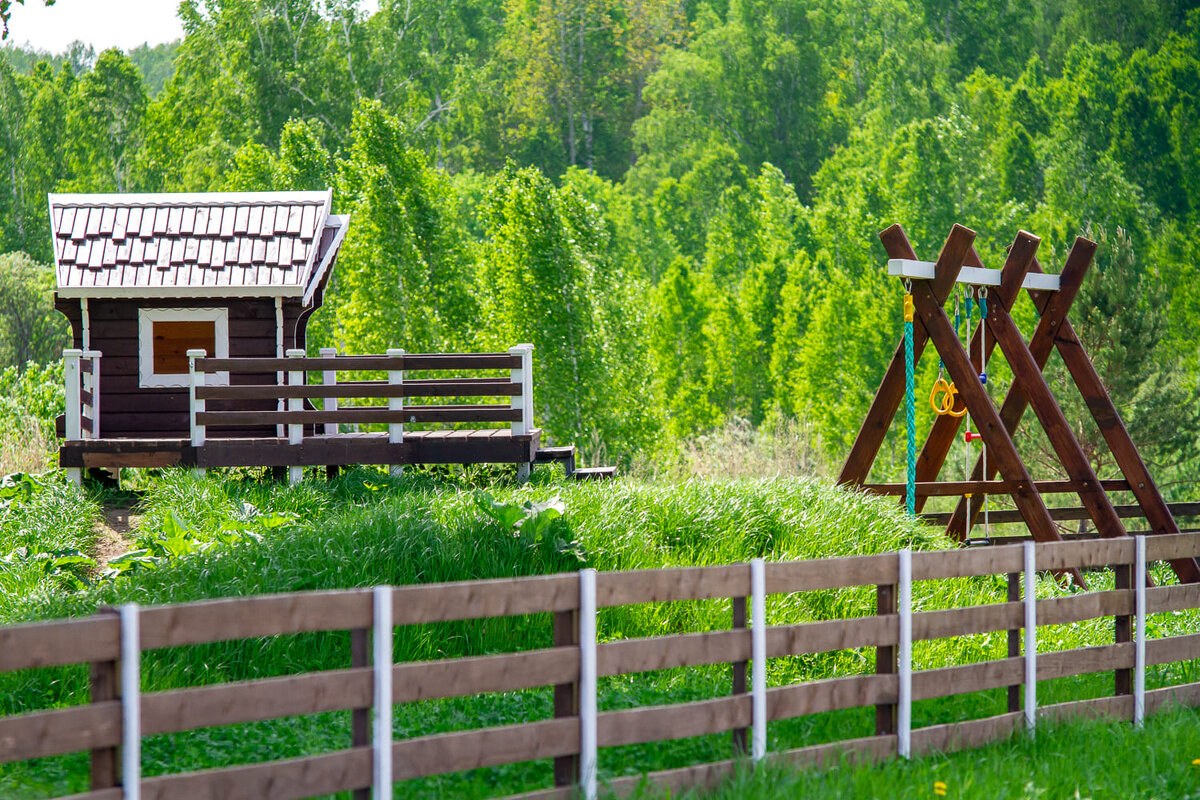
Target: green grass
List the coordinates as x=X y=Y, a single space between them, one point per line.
x=1085 y=759
x=365 y=528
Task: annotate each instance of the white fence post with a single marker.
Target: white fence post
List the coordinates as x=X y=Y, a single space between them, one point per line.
x=395 y=429
x=588 y=755
x=1030 y=636
x=94 y=357
x=196 y=404
x=74 y=423
x=524 y=401
x=1139 y=669
x=329 y=378
x=758 y=656
x=904 y=699
x=131 y=702
x=383 y=693
x=295 y=429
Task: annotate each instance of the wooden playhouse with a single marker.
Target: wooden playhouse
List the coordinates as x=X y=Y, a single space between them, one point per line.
x=188 y=316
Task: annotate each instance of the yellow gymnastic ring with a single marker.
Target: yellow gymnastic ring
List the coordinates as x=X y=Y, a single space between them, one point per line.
x=943 y=397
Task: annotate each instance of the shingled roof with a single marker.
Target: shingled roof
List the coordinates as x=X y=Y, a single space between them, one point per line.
x=190 y=245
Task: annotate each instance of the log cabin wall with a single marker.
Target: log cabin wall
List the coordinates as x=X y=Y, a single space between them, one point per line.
x=131 y=411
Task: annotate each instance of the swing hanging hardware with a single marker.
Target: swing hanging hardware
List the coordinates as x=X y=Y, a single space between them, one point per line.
x=971 y=436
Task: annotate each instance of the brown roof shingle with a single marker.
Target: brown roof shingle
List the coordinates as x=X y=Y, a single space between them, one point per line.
x=256 y=243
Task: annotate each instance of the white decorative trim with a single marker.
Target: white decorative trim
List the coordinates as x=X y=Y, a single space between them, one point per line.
x=188 y=198
x=335 y=246
x=182 y=292
x=147 y=378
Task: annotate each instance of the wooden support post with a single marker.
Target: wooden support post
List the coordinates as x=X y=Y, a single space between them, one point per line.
x=1028 y=375
x=360 y=718
x=886 y=662
x=891 y=388
x=106 y=761
x=995 y=437
x=739 y=675
x=566 y=695
x=396 y=429
x=196 y=405
x=1014 y=640
x=1123 y=628
x=297 y=377
x=944 y=431
x=1124 y=451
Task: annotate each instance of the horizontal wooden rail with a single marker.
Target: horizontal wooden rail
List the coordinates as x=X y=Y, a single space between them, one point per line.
x=58 y=642
x=679 y=721
x=458 y=677
x=1006 y=516
x=489 y=747
x=832 y=694
x=362 y=415
x=62 y=730
x=464 y=387
x=254 y=701
x=959 y=488
x=414 y=361
x=291 y=779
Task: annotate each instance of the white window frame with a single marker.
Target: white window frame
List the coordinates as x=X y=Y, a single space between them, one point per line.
x=147 y=377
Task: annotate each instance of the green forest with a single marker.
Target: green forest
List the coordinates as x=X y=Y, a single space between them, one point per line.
x=676 y=201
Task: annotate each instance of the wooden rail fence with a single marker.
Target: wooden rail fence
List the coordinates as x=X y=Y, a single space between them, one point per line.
x=112 y=725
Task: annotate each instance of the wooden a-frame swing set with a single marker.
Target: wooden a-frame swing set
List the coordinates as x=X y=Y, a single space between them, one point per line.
x=931 y=285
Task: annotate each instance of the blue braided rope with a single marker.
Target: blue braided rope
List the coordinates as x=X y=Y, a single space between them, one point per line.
x=911 y=415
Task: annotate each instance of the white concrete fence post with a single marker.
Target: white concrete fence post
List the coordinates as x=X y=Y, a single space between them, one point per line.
x=382 y=739
x=396 y=429
x=904 y=699
x=131 y=702
x=329 y=378
x=524 y=401
x=196 y=404
x=74 y=422
x=758 y=659
x=588 y=752
x=296 y=377
x=1139 y=666
x=1030 y=636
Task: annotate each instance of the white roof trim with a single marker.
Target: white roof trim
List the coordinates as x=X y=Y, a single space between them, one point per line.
x=170 y=292
x=343 y=221
x=191 y=198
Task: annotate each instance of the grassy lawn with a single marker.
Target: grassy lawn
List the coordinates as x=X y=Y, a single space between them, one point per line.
x=233 y=534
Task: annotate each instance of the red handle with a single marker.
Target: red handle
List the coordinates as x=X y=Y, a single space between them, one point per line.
x=971 y=436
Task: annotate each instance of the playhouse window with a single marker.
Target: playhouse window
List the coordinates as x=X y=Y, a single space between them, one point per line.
x=166 y=334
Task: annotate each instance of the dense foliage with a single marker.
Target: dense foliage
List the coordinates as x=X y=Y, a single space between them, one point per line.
x=676 y=201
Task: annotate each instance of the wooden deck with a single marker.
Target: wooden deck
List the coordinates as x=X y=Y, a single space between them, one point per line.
x=489 y=446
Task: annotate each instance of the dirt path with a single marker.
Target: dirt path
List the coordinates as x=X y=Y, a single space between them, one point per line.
x=113 y=534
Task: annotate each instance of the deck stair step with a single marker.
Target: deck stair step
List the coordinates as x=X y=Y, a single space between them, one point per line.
x=566 y=455
x=594 y=473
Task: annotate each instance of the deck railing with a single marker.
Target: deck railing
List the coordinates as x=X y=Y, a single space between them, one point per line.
x=296 y=398
x=81 y=374
x=113 y=723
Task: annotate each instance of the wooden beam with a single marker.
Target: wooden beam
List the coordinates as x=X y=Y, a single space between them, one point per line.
x=891 y=388
x=1028 y=374
x=995 y=435
x=945 y=427
x=1124 y=451
x=1053 y=308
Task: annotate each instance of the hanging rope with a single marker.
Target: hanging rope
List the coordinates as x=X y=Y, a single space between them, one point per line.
x=911 y=405
x=987 y=530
